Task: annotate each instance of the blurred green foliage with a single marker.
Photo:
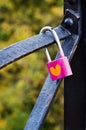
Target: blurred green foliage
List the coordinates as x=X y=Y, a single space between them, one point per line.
x=21 y=82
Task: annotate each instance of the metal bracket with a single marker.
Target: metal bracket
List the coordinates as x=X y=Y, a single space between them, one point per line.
x=70 y=21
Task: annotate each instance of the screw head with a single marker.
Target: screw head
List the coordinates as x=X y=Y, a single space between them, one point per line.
x=68 y=22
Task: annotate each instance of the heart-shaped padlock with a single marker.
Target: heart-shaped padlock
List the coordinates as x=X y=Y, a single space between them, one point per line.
x=58 y=68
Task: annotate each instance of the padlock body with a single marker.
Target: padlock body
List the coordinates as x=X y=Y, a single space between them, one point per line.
x=59 y=68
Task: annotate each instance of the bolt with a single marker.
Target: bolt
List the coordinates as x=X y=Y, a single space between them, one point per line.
x=68 y=21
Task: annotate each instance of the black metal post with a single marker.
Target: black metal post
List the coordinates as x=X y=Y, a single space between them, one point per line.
x=75 y=86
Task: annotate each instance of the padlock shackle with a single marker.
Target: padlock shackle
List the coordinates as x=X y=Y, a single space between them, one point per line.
x=48 y=28
x=47 y=54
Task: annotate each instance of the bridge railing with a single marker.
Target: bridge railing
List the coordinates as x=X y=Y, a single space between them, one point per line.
x=70 y=33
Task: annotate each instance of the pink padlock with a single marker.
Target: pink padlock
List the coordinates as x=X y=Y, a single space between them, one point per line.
x=58 y=68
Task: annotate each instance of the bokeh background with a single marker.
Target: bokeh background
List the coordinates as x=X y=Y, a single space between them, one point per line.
x=21 y=82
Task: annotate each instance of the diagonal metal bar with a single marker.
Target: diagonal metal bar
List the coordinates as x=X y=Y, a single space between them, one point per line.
x=25 y=47
x=49 y=90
